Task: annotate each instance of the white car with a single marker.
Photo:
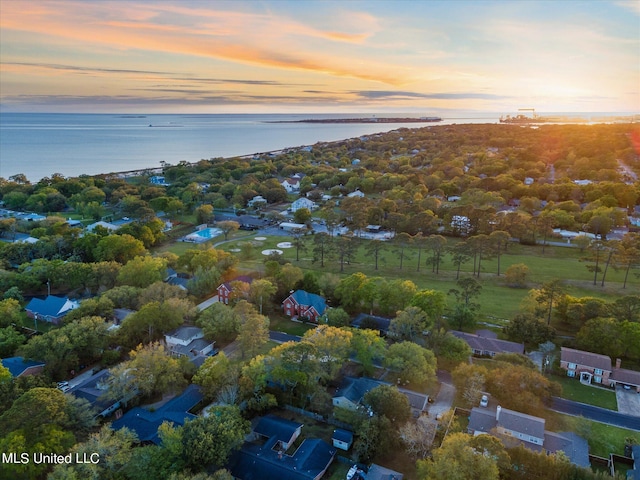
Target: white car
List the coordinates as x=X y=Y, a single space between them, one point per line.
x=484 y=401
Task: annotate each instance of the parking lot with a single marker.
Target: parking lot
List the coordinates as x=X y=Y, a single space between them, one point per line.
x=628 y=401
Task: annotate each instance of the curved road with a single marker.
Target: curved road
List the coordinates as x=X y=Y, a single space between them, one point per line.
x=595 y=413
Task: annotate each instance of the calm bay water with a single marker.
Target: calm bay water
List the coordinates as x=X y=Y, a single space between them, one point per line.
x=39 y=145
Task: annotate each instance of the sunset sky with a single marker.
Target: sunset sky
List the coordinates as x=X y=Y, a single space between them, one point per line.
x=319 y=56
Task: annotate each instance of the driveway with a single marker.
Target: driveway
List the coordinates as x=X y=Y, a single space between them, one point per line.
x=444 y=399
x=628 y=401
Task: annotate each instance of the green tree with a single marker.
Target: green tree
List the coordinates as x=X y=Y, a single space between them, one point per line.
x=119 y=248
x=10 y=340
x=333 y=345
x=9 y=312
x=210 y=440
x=322 y=247
x=431 y=302
x=337 y=317
x=549 y=295
x=368 y=346
x=463 y=457
x=150 y=370
x=302 y=215
x=261 y=292
x=253 y=333
x=143 y=271
x=409 y=324
x=219 y=321
x=228 y=227
x=387 y=401
x=528 y=329
x=215 y=374
x=516 y=275
x=374 y=249
x=411 y=363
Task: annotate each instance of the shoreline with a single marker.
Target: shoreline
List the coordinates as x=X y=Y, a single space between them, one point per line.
x=365 y=120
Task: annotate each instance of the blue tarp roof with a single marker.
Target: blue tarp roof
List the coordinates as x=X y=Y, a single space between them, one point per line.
x=17 y=365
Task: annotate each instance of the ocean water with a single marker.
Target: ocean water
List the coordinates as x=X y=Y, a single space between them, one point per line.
x=39 y=145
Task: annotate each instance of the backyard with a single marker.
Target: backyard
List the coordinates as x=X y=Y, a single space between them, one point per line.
x=572 y=389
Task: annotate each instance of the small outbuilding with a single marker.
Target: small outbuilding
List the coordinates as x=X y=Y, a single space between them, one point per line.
x=342 y=439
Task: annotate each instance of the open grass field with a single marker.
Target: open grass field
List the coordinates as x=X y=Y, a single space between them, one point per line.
x=498 y=301
x=572 y=389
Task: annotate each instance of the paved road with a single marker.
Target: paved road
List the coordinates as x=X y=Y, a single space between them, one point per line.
x=595 y=413
x=281 y=337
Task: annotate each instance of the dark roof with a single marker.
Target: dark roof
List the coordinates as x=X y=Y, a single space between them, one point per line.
x=121 y=313
x=485 y=344
x=18 y=365
x=191 y=350
x=145 y=423
x=521 y=422
x=311 y=300
x=280 y=428
x=354 y=389
x=481 y=420
x=574 y=446
x=185 y=332
x=92 y=390
x=382 y=323
x=378 y=472
x=342 y=435
x=630 y=377
x=178 y=282
x=579 y=357
x=262 y=462
x=240 y=278
x=49 y=307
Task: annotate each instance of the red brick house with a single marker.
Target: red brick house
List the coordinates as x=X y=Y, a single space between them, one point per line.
x=304 y=304
x=586 y=366
x=225 y=289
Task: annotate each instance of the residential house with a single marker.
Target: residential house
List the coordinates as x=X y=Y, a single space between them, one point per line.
x=292 y=184
x=51 y=309
x=586 y=366
x=286 y=431
x=304 y=304
x=290 y=226
x=485 y=345
x=511 y=426
x=93 y=390
x=356 y=193
x=342 y=439
x=188 y=341
x=20 y=367
x=372 y=322
x=351 y=393
x=145 y=422
x=110 y=227
x=158 y=180
x=625 y=378
x=303 y=202
x=378 y=472
x=257 y=201
x=225 y=289
x=262 y=458
x=180 y=280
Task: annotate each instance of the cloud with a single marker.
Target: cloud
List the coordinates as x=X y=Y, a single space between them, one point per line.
x=382 y=94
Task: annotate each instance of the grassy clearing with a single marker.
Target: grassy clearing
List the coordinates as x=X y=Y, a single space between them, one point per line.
x=572 y=389
x=498 y=301
x=281 y=323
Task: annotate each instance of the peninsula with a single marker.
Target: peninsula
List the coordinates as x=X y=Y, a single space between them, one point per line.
x=364 y=120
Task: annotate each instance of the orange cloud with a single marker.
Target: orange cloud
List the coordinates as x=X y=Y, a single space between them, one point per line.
x=263 y=40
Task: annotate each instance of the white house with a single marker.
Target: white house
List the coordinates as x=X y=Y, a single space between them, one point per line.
x=303 y=202
x=291 y=185
x=356 y=193
x=189 y=342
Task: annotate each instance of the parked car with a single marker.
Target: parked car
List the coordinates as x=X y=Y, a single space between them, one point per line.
x=484 y=401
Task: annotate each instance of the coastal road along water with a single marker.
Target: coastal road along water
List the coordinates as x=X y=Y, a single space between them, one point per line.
x=595 y=413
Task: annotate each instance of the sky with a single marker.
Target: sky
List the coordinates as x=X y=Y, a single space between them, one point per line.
x=416 y=56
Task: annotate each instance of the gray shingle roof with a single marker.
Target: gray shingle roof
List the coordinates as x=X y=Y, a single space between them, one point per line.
x=280 y=428
x=185 y=332
x=485 y=344
x=580 y=357
x=630 y=377
x=521 y=422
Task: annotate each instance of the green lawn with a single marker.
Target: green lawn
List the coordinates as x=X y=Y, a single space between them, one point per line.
x=572 y=389
x=498 y=301
x=281 y=323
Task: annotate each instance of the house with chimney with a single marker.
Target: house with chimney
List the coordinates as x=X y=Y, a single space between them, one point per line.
x=592 y=368
x=304 y=304
x=51 y=309
x=587 y=367
x=519 y=428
